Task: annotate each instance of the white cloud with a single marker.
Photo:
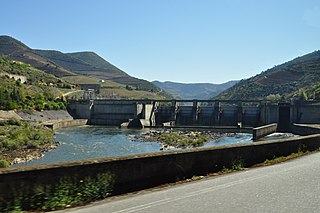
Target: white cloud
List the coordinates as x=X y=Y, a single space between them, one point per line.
x=312 y=16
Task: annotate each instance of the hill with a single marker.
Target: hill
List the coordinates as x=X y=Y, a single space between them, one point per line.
x=193 y=91
x=95 y=60
x=71 y=64
x=14 y=49
x=298 y=78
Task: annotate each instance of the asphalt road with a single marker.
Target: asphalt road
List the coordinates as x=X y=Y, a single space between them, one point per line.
x=293 y=186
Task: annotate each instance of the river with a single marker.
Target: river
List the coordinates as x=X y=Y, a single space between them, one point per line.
x=87 y=142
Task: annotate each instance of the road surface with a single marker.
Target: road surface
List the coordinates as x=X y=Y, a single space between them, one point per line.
x=293 y=186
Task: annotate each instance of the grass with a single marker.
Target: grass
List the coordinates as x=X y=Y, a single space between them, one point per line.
x=79 y=79
x=64 y=193
x=239 y=165
x=284 y=158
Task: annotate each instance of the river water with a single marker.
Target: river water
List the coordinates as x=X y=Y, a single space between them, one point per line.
x=87 y=142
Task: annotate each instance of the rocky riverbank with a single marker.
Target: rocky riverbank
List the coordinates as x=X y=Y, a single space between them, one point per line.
x=27 y=154
x=23 y=140
x=23 y=136
x=171 y=138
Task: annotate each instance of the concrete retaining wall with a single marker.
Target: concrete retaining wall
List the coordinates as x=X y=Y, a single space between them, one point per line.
x=262 y=131
x=305 y=129
x=141 y=171
x=69 y=123
x=44 y=116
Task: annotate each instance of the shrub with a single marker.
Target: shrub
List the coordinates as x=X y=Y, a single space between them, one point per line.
x=4 y=164
x=62 y=105
x=23 y=136
x=39 y=106
x=14 y=121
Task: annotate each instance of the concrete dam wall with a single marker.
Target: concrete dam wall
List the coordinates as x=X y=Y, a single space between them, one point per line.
x=195 y=112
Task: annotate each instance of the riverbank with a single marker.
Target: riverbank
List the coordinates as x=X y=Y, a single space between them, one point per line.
x=27 y=154
x=25 y=136
x=22 y=141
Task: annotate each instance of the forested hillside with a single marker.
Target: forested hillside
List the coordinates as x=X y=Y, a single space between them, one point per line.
x=24 y=87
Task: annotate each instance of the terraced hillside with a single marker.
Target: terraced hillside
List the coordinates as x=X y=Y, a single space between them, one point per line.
x=297 y=78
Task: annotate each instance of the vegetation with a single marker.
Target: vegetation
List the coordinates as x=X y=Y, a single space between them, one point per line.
x=39 y=91
x=66 y=192
x=86 y=64
x=284 y=158
x=17 y=135
x=236 y=165
x=183 y=140
x=4 y=164
x=299 y=79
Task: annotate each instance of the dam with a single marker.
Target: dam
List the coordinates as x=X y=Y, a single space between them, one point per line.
x=153 y=169
x=181 y=113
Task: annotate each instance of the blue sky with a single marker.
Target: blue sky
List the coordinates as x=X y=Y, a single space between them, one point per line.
x=171 y=40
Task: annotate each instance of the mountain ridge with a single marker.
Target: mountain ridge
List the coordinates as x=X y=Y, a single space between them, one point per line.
x=70 y=64
x=14 y=49
x=193 y=90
